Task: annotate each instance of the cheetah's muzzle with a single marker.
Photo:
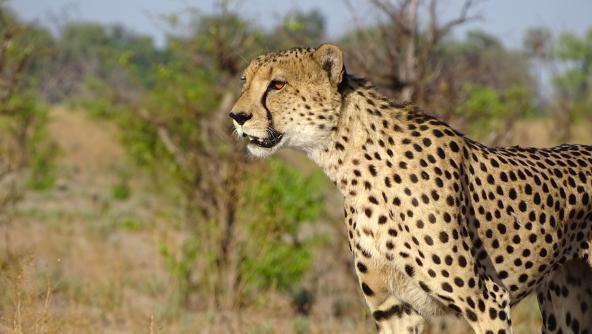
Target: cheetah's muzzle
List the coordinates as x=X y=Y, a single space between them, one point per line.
x=270 y=141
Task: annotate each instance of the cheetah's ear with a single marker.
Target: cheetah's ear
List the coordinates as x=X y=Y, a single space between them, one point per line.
x=330 y=57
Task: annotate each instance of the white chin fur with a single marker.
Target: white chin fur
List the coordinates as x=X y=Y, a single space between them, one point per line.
x=260 y=152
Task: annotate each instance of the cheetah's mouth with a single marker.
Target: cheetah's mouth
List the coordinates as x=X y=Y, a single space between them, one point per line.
x=270 y=141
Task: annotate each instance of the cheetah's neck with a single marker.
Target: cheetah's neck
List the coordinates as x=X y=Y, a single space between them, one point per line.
x=353 y=136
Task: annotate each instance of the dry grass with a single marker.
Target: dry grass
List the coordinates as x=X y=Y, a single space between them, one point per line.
x=76 y=260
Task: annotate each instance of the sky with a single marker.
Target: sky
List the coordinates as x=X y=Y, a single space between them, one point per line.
x=506 y=19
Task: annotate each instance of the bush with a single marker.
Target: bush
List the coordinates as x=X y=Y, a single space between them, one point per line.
x=488 y=113
x=278 y=201
x=24 y=142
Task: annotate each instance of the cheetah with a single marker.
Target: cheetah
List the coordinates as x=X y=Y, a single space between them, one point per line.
x=437 y=223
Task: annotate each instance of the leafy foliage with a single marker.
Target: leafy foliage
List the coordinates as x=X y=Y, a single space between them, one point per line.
x=24 y=144
x=575 y=83
x=278 y=200
x=486 y=109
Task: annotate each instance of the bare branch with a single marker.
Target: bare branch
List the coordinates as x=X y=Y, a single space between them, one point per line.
x=371 y=53
x=461 y=19
x=410 y=70
x=394 y=13
x=165 y=138
x=433 y=21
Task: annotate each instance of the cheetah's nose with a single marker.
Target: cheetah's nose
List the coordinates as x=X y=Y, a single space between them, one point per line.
x=240 y=117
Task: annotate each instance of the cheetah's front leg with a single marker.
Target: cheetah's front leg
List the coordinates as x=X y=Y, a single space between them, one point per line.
x=392 y=315
x=396 y=317
x=488 y=311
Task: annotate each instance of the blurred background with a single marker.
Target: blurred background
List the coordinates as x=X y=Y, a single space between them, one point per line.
x=126 y=205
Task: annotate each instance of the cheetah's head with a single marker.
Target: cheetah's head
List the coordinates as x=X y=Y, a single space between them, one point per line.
x=290 y=98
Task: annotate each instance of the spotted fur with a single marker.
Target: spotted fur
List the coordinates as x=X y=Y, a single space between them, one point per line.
x=437 y=223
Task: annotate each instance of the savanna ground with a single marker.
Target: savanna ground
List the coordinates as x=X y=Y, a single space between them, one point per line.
x=83 y=258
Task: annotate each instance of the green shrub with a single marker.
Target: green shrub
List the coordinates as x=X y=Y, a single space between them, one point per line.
x=24 y=142
x=278 y=201
x=121 y=189
x=24 y=125
x=485 y=109
x=42 y=151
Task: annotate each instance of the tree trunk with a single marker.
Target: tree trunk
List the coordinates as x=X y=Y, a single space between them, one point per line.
x=409 y=71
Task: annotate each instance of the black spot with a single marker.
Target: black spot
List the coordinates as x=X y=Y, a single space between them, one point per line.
x=551 y=322
x=424 y=287
x=409 y=270
x=362 y=267
x=454 y=146
x=471 y=315
x=492 y=313
x=383 y=315
x=512 y=193
x=441 y=153
x=366 y=289
x=462 y=261
x=448 y=260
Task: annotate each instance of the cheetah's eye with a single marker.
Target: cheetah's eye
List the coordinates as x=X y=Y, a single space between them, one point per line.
x=243 y=78
x=277 y=84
